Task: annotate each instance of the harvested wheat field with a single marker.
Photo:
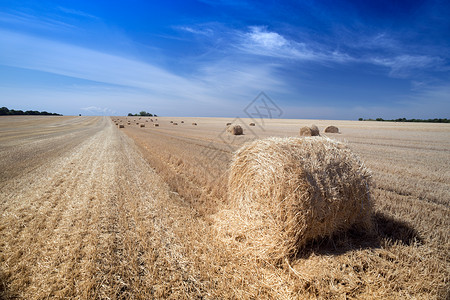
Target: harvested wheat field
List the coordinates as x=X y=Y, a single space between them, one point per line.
x=93 y=212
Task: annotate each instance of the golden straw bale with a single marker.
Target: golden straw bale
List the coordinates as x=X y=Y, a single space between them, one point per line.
x=285 y=192
x=332 y=129
x=235 y=130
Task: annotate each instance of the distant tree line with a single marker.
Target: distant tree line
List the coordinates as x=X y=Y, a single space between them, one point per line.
x=4 y=111
x=409 y=120
x=142 y=114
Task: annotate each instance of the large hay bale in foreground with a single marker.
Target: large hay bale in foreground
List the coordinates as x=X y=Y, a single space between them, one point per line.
x=332 y=129
x=235 y=130
x=285 y=192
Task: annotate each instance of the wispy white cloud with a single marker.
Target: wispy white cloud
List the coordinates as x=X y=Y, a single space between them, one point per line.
x=27 y=20
x=76 y=12
x=259 y=41
x=97 y=110
x=202 y=30
x=212 y=87
x=404 y=66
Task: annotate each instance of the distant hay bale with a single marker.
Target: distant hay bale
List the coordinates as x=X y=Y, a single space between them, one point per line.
x=252 y=124
x=155 y=124
x=235 y=130
x=175 y=123
x=121 y=126
x=228 y=124
x=332 y=129
x=315 y=130
x=142 y=125
x=309 y=131
x=195 y=124
x=285 y=192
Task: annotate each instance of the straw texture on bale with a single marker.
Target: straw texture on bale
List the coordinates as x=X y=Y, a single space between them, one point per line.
x=235 y=130
x=332 y=129
x=285 y=192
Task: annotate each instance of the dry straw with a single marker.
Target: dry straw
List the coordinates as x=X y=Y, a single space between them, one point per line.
x=332 y=129
x=285 y=192
x=235 y=130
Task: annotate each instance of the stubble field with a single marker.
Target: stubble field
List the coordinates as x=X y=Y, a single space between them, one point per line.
x=91 y=211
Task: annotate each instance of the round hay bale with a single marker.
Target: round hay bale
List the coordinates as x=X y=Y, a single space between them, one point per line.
x=156 y=124
x=285 y=192
x=142 y=125
x=235 y=130
x=305 y=131
x=309 y=131
x=195 y=124
x=332 y=129
x=228 y=124
x=121 y=126
x=314 y=130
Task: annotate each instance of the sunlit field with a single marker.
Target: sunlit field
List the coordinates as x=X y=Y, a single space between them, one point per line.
x=93 y=211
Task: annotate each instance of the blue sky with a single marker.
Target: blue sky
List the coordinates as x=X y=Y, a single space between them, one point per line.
x=314 y=59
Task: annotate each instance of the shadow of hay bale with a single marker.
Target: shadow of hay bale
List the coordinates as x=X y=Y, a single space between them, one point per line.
x=385 y=228
x=396 y=230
